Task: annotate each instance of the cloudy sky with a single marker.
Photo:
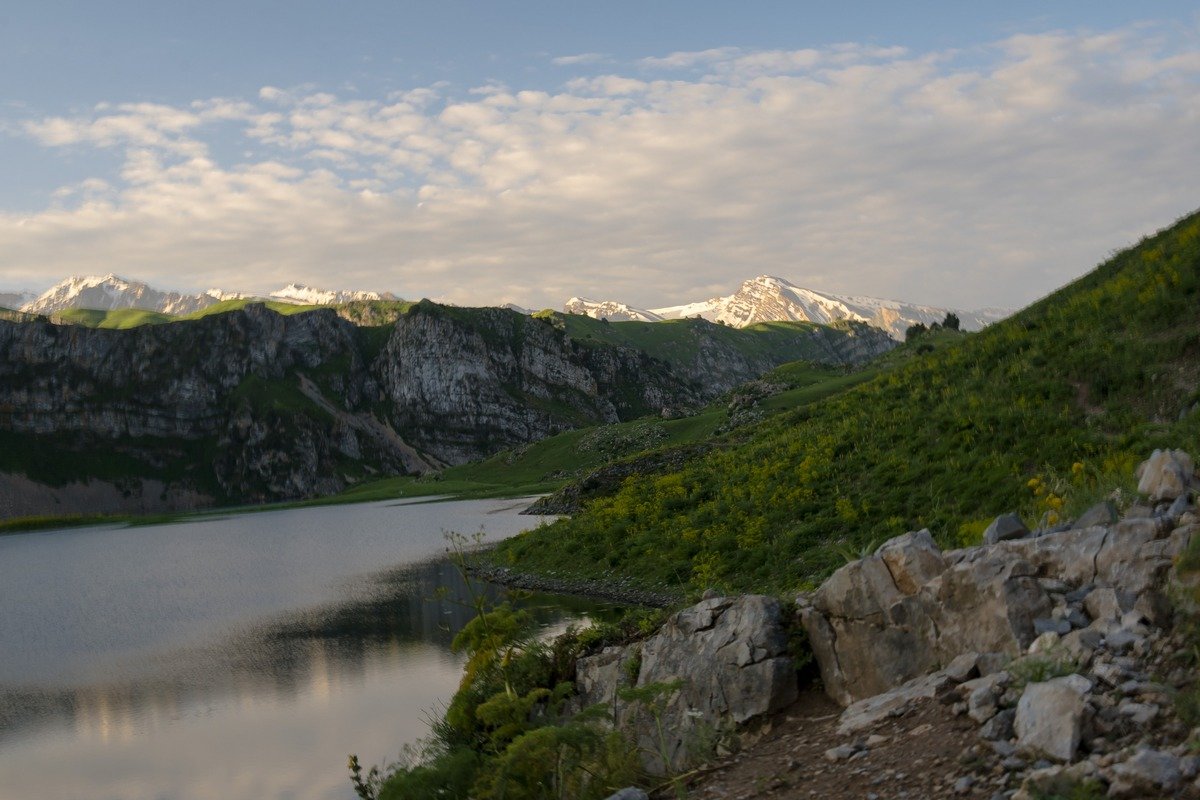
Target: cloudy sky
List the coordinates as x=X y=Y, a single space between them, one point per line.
x=479 y=152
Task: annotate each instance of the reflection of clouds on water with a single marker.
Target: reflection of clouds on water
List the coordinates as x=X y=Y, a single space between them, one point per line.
x=244 y=657
x=310 y=653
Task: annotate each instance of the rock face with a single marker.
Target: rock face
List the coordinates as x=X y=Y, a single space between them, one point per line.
x=730 y=655
x=253 y=405
x=910 y=609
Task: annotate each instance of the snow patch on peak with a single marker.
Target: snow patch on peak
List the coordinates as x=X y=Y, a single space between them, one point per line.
x=300 y=294
x=610 y=310
x=767 y=298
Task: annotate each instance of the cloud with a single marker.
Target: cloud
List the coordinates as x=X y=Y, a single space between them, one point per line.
x=683 y=59
x=973 y=179
x=581 y=58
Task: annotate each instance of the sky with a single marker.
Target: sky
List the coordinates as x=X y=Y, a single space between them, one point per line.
x=950 y=153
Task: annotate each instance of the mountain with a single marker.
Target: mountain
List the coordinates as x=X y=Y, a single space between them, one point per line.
x=256 y=403
x=307 y=295
x=111 y=292
x=770 y=299
x=14 y=300
x=610 y=310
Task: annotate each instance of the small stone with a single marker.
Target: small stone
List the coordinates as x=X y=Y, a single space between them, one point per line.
x=1045 y=642
x=1004 y=749
x=963 y=667
x=1103 y=513
x=1044 y=625
x=1109 y=673
x=1004 y=528
x=839 y=753
x=963 y=785
x=1146 y=771
x=877 y=740
x=981 y=704
x=999 y=728
x=1120 y=640
x=1140 y=713
x=1078 y=619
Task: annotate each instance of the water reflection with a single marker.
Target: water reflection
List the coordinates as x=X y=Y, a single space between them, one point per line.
x=264 y=697
x=311 y=653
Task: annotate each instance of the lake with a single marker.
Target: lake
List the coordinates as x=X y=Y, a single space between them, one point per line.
x=240 y=656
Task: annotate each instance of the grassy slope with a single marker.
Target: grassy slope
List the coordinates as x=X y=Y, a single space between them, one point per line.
x=550 y=463
x=1070 y=392
x=125 y=318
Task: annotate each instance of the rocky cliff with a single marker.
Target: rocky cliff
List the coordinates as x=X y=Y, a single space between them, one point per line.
x=253 y=405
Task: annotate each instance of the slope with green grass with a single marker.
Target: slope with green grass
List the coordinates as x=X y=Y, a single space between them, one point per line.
x=1041 y=413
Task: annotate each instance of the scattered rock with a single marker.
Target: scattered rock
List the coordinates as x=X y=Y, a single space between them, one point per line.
x=1165 y=475
x=1005 y=527
x=1103 y=513
x=1050 y=717
x=1147 y=771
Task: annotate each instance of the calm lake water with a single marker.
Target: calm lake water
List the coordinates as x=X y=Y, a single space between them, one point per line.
x=232 y=657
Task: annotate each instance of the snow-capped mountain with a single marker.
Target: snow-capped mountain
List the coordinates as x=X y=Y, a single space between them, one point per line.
x=306 y=295
x=769 y=299
x=15 y=300
x=610 y=310
x=109 y=292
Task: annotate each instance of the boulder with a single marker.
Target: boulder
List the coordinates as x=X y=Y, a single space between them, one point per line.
x=904 y=612
x=1166 y=475
x=1050 y=717
x=731 y=656
x=1005 y=527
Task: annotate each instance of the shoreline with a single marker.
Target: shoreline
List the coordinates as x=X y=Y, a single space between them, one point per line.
x=614 y=589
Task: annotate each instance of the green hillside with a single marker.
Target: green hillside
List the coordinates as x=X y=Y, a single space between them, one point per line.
x=124 y=318
x=1043 y=412
x=118 y=319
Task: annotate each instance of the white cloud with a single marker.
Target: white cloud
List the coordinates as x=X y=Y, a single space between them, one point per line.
x=682 y=59
x=580 y=58
x=975 y=179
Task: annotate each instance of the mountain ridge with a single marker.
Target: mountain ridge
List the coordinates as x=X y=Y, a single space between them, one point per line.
x=767 y=298
x=110 y=292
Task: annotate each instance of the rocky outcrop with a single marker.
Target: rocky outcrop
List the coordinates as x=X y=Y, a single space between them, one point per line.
x=883 y=620
x=1055 y=644
x=728 y=661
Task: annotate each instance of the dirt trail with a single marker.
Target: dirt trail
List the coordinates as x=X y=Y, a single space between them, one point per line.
x=926 y=752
